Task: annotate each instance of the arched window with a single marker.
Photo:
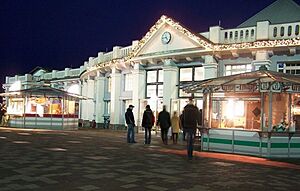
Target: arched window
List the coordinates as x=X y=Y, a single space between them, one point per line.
x=275 y=32
x=226 y=35
x=297 y=30
x=290 y=30
x=241 y=34
x=247 y=34
x=236 y=34
x=281 y=31
x=252 y=32
x=230 y=35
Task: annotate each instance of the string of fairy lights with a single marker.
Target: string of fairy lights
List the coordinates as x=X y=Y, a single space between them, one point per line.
x=197 y=38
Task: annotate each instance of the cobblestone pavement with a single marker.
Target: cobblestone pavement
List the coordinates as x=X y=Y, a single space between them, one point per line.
x=87 y=160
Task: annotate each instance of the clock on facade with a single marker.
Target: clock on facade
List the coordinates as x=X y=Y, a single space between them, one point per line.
x=166 y=37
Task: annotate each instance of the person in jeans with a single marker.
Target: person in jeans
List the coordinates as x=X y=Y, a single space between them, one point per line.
x=147 y=123
x=131 y=124
x=164 y=122
x=190 y=120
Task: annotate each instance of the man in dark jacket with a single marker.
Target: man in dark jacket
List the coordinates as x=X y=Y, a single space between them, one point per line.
x=164 y=122
x=131 y=124
x=147 y=123
x=190 y=120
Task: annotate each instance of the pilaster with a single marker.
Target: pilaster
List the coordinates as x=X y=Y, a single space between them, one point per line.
x=115 y=96
x=170 y=81
x=138 y=92
x=210 y=67
x=99 y=105
x=262 y=58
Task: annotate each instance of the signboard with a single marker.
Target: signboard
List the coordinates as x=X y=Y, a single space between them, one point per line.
x=275 y=87
x=264 y=87
x=238 y=88
x=292 y=88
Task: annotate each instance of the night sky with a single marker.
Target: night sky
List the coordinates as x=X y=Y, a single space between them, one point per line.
x=55 y=34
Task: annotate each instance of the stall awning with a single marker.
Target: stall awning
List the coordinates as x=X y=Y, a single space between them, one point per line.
x=42 y=91
x=261 y=80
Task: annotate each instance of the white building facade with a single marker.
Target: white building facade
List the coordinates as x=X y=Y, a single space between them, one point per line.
x=154 y=69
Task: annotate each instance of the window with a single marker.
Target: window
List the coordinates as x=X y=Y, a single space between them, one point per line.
x=289 y=67
x=189 y=75
x=252 y=33
x=242 y=34
x=237 y=69
x=236 y=35
x=281 y=31
x=199 y=74
x=275 y=32
x=247 y=34
x=230 y=35
x=154 y=87
x=109 y=84
x=297 y=30
x=151 y=76
x=186 y=74
x=128 y=82
x=226 y=35
x=290 y=30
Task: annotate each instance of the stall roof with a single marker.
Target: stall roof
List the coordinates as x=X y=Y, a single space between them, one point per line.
x=248 y=78
x=41 y=91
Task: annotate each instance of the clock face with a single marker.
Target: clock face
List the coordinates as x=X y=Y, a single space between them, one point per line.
x=166 y=37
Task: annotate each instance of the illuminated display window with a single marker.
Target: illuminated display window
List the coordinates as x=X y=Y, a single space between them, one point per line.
x=154 y=86
x=237 y=69
x=187 y=76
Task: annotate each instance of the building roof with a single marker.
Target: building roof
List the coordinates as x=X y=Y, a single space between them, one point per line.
x=42 y=90
x=281 y=11
x=249 y=78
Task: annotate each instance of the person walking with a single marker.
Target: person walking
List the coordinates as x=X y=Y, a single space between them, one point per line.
x=190 y=120
x=164 y=122
x=1 y=115
x=175 y=127
x=147 y=123
x=181 y=126
x=131 y=124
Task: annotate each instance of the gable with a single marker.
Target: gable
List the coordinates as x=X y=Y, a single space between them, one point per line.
x=281 y=11
x=177 y=42
x=181 y=39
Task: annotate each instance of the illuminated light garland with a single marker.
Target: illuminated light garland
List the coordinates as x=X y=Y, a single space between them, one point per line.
x=204 y=43
x=259 y=44
x=164 y=19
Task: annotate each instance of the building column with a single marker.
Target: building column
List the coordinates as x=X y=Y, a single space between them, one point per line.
x=138 y=92
x=90 y=103
x=83 y=103
x=170 y=82
x=87 y=106
x=262 y=58
x=99 y=105
x=115 y=96
x=210 y=67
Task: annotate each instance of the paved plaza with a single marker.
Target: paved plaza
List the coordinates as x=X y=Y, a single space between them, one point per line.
x=87 y=160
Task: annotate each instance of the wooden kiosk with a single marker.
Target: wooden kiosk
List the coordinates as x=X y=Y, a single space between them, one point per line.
x=42 y=107
x=254 y=113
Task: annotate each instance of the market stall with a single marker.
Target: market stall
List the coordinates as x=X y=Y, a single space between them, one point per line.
x=253 y=113
x=42 y=107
